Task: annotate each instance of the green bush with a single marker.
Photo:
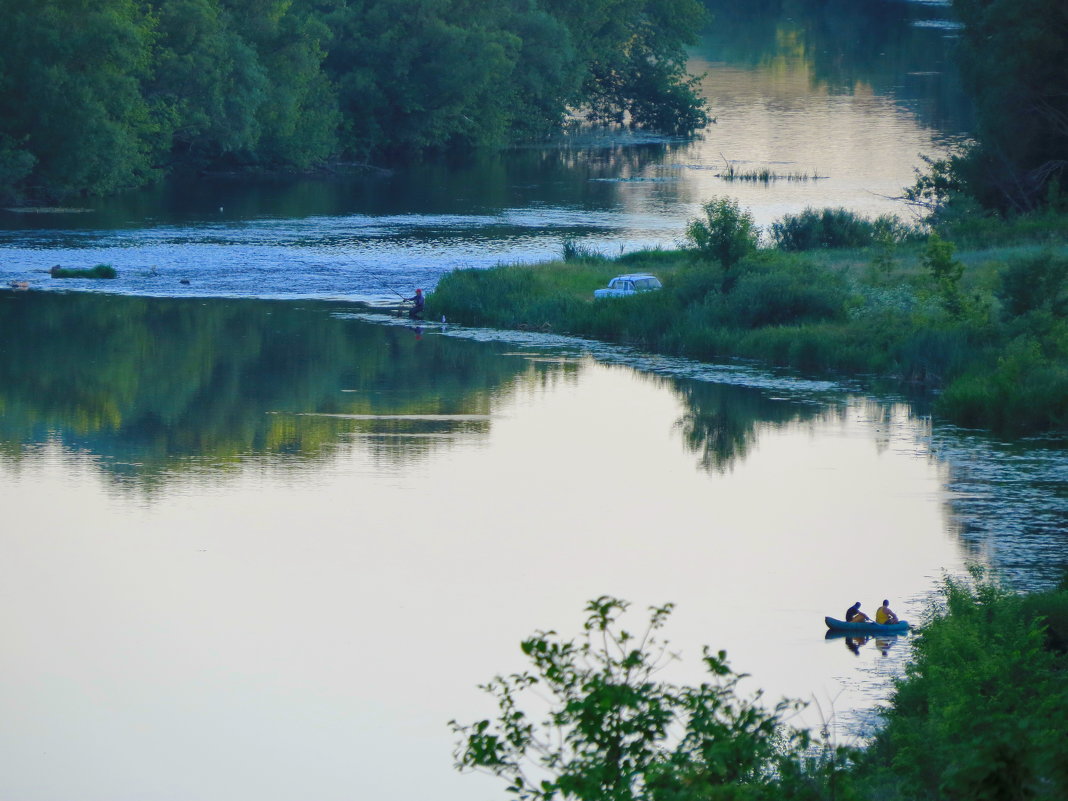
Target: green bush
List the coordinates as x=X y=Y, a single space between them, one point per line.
x=795 y=295
x=513 y=296
x=576 y=251
x=643 y=320
x=1036 y=282
x=693 y=284
x=99 y=271
x=726 y=234
x=1050 y=610
x=979 y=712
x=944 y=272
x=834 y=228
x=1027 y=390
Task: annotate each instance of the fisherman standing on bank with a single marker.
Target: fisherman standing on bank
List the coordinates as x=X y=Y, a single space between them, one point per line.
x=416 y=312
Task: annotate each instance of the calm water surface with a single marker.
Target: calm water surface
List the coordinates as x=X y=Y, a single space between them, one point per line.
x=259 y=550
x=256 y=549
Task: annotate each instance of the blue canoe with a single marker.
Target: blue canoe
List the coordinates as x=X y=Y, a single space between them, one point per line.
x=867 y=628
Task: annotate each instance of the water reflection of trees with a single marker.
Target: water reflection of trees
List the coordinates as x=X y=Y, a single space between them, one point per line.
x=554 y=175
x=846 y=45
x=722 y=422
x=155 y=388
x=149 y=385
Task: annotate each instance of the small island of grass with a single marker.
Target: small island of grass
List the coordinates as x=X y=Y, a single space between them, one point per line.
x=99 y=271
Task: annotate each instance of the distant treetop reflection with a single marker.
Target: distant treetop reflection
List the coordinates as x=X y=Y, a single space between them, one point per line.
x=721 y=422
x=158 y=386
x=849 y=47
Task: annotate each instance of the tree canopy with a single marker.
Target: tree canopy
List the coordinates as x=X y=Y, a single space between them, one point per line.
x=98 y=96
x=1012 y=55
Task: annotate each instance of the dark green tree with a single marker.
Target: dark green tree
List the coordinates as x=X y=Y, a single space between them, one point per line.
x=72 y=116
x=634 y=60
x=417 y=75
x=298 y=118
x=547 y=75
x=208 y=82
x=97 y=96
x=1013 y=55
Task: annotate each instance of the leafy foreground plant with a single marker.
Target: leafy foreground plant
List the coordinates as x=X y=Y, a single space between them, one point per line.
x=610 y=731
x=980 y=714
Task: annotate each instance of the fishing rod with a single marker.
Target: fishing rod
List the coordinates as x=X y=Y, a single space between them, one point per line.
x=385 y=285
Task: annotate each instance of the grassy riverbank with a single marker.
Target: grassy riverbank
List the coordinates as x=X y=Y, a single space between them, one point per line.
x=977 y=311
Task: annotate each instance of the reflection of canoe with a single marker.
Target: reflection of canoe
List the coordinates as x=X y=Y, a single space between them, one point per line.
x=884 y=636
x=866 y=628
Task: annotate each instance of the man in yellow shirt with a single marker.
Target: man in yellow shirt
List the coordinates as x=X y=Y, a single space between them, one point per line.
x=884 y=614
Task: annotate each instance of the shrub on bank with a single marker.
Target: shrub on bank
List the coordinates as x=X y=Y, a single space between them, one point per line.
x=835 y=228
x=511 y=296
x=1027 y=390
x=973 y=228
x=978 y=715
x=1036 y=282
x=979 y=712
x=726 y=234
x=786 y=293
x=573 y=250
x=592 y=719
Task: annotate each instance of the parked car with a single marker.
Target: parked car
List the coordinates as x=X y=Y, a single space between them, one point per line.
x=623 y=285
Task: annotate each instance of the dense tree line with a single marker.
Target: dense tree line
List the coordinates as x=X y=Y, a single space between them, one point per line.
x=97 y=95
x=1012 y=55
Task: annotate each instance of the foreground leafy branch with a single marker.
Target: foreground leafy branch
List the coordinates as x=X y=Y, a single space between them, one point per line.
x=609 y=730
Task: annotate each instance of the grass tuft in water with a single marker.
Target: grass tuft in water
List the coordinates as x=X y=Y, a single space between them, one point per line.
x=99 y=271
x=765 y=175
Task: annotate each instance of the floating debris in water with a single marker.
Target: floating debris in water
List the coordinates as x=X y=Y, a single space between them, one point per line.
x=46 y=210
x=634 y=180
x=944 y=24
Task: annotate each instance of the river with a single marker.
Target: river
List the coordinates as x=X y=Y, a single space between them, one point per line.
x=259 y=544
x=790 y=95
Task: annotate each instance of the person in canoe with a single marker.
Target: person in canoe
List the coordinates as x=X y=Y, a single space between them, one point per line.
x=854 y=615
x=884 y=614
x=417 y=301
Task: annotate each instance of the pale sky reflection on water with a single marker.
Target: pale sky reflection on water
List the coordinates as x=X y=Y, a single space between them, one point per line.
x=287 y=631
